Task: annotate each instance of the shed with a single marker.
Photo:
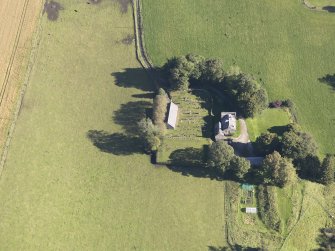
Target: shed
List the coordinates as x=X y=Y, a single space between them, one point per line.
x=172 y=117
x=251 y=210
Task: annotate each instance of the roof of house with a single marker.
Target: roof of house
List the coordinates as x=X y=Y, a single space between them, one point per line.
x=173 y=114
x=228 y=121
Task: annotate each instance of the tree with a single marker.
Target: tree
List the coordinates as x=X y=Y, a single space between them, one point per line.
x=267 y=143
x=297 y=144
x=278 y=170
x=220 y=156
x=159 y=109
x=178 y=71
x=249 y=96
x=326 y=239
x=309 y=167
x=327 y=170
x=212 y=70
x=150 y=134
x=239 y=166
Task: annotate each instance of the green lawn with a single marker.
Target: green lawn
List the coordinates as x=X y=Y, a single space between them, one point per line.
x=272 y=120
x=322 y=3
x=75 y=177
x=283 y=44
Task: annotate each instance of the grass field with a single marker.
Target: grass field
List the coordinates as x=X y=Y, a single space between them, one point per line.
x=283 y=44
x=75 y=177
x=322 y=3
x=270 y=120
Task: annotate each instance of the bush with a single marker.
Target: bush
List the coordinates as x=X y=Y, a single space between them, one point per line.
x=276 y=104
x=292 y=108
x=159 y=109
x=267 y=207
x=149 y=134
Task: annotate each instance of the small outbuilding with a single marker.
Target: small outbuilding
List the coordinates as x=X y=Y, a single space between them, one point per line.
x=251 y=210
x=172 y=116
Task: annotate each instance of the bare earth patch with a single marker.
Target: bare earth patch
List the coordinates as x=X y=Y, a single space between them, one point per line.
x=128 y=40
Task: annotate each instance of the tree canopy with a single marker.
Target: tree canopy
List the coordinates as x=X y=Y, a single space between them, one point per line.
x=220 y=156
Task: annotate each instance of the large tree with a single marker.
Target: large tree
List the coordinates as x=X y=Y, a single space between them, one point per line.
x=297 y=144
x=278 y=170
x=220 y=156
x=239 y=167
x=249 y=96
x=327 y=170
x=267 y=143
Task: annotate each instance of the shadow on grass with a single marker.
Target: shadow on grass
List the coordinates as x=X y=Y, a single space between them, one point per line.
x=279 y=130
x=235 y=247
x=329 y=8
x=329 y=79
x=133 y=78
x=191 y=162
x=116 y=143
x=130 y=114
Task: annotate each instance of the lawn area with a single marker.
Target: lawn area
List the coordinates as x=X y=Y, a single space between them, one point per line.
x=193 y=130
x=76 y=177
x=284 y=45
x=272 y=120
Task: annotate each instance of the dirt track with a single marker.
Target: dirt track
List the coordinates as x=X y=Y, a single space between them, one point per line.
x=18 y=21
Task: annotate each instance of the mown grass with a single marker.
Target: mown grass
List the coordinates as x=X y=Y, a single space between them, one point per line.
x=273 y=120
x=75 y=177
x=286 y=46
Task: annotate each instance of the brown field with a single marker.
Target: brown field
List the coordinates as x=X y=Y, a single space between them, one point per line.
x=18 y=21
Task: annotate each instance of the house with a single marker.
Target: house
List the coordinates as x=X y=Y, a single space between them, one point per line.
x=226 y=126
x=172 y=116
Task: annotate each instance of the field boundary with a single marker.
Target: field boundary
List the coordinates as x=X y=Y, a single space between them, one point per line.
x=311 y=7
x=31 y=62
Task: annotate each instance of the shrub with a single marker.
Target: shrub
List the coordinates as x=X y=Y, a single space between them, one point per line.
x=150 y=135
x=276 y=104
x=159 y=109
x=267 y=207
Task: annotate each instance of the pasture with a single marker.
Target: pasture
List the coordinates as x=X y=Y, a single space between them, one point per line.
x=286 y=46
x=76 y=177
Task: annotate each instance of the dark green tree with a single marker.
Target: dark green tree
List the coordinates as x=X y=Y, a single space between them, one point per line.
x=297 y=144
x=220 y=156
x=212 y=71
x=309 y=167
x=278 y=170
x=327 y=170
x=267 y=143
x=249 y=96
x=239 y=166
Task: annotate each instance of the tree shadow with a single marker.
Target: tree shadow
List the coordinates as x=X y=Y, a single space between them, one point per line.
x=279 y=130
x=115 y=143
x=329 y=8
x=191 y=162
x=329 y=79
x=133 y=78
x=235 y=247
x=130 y=114
x=149 y=95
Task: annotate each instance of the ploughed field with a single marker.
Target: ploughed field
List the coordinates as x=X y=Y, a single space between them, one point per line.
x=283 y=44
x=76 y=177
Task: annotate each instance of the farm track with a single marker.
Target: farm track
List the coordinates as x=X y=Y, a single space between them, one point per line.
x=19 y=52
